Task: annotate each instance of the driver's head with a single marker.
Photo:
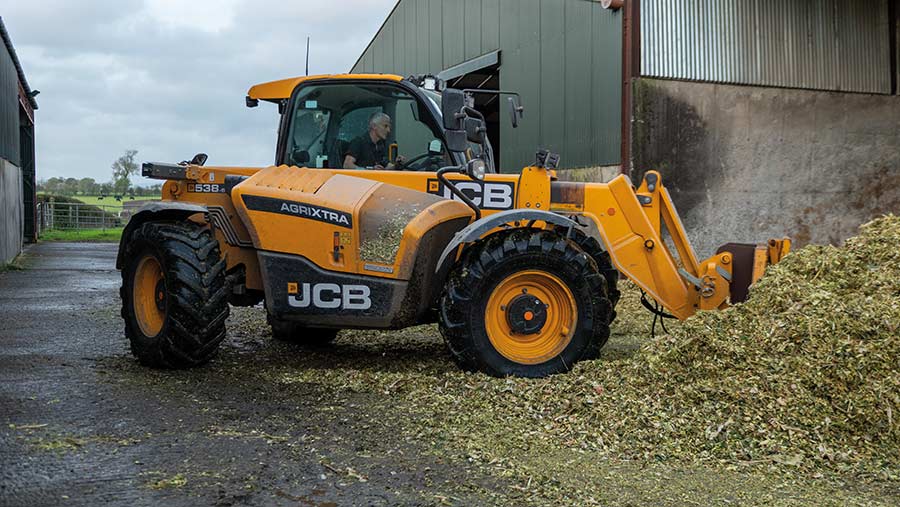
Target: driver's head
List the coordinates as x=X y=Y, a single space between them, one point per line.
x=380 y=126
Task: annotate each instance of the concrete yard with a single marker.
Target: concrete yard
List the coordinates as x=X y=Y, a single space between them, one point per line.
x=267 y=423
x=84 y=424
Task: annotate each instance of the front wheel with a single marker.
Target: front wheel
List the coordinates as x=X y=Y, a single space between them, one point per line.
x=174 y=294
x=527 y=303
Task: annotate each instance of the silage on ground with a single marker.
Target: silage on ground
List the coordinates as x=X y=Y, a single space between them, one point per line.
x=804 y=374
x=806 y=371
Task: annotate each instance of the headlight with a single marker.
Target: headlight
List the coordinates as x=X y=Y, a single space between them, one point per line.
x=475 y=169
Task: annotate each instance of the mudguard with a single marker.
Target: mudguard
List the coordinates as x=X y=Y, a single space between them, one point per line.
x=161 y=210
x=477 y=229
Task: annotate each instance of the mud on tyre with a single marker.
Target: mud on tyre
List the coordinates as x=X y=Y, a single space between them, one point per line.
x=527 y=302
x=174 y=294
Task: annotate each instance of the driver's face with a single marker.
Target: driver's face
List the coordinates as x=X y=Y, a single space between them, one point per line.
x=383 y=129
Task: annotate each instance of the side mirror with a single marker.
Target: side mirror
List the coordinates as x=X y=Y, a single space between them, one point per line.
x=474 y=129
x=516 y=111
x=452 y=102
x=199 y=159
x=456 y=141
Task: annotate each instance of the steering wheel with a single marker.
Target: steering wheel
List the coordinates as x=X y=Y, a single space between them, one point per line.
x=407 y=165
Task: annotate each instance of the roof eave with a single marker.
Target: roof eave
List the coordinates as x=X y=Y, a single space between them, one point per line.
x=7 y=41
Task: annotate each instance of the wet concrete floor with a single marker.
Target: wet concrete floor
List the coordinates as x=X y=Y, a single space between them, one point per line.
x=81 y=423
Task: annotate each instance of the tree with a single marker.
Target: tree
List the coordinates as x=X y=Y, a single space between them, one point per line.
x=87 y=186
x=123 y=168
x=53 y=186
x=70 y=186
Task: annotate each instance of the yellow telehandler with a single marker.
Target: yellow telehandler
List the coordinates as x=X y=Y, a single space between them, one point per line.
x=385 y=210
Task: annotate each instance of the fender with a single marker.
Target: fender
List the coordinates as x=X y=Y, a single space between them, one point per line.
x=163 y=210
x=476 y=230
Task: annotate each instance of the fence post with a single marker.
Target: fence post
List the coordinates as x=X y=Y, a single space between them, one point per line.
x=76 y=216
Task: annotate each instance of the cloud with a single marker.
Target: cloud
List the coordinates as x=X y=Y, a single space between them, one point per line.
x=168 y=77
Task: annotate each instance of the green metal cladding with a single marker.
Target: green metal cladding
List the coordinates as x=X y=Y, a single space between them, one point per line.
x=563 y=56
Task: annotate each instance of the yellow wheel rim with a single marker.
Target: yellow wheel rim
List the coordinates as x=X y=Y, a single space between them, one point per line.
x=149 y=296
x=546 y=295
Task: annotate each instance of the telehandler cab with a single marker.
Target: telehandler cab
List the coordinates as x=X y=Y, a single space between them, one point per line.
x=519 y=270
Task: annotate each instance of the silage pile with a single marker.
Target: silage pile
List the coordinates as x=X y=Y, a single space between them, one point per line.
x=806 y=372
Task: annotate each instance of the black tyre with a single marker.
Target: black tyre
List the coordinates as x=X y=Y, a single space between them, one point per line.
x=604 y=264
x=528 y=303
x=295 y=333
x=174 y=294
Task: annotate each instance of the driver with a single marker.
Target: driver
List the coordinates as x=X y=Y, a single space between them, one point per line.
x=370 y=149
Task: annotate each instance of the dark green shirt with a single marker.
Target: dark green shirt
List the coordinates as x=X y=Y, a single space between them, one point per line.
x=367 y=153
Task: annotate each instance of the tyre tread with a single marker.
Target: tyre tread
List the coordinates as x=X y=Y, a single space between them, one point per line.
x=467 y=276
x=197 y=295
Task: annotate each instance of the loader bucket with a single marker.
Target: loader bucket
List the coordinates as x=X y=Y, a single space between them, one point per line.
x=750 y=262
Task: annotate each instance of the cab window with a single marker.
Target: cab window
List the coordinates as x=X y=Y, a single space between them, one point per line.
x=362 y=126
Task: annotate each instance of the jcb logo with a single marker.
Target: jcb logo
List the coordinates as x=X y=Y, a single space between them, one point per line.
x=329 y=296
x=485 y=195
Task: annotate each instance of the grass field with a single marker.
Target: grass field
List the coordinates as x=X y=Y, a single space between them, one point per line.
x=91 y=235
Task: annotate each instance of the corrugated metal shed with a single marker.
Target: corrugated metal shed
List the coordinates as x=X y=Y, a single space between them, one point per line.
x=9 y=107
x=563 y=56
x=825 y=44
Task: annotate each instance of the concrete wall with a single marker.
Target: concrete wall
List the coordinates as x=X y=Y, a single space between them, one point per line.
x=11 y=211
x=748 y=163
x=597 y=174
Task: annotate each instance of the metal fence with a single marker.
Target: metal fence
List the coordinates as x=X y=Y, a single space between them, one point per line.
x=71 y=216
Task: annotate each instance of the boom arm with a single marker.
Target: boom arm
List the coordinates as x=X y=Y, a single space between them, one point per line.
x=631 y=222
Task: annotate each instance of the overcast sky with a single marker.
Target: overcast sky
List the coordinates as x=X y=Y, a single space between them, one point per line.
x=168 y=77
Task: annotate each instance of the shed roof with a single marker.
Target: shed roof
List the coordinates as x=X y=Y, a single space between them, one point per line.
x=12 y=53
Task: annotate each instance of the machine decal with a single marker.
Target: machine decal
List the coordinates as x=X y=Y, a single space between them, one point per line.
x=301 y=290
x=298 y=209
x=329 y=296
x=206 y=188
x=493 y=195
x=378 y=268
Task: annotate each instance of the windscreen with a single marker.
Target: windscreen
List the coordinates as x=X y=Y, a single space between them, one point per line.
x=362 y=126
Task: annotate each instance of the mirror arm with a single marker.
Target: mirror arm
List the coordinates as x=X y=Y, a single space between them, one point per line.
x=466 y=110
x=484 y=138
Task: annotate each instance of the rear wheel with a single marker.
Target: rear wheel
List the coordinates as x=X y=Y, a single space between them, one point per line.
x=174 y=294
x=527 y=303
x=300 y=335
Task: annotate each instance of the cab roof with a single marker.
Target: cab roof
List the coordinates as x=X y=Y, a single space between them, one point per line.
x=282 y=89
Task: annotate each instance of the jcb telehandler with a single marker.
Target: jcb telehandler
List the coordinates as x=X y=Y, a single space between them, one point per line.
x=519 y=270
